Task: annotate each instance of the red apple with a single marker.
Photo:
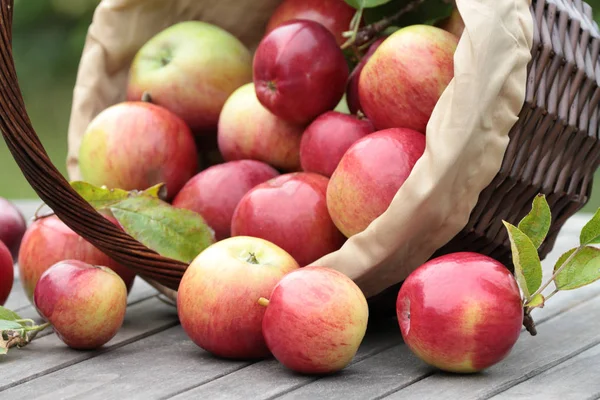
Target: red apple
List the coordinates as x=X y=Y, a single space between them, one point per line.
x=327 y=139
x=48 y=241
x=247 y=130
x=352 y=97
x=7 y=273
x=85 y=303
x=135 y=145
x=403 y=80
x=461 y=312
x=290 y=211
x=215 y=192
x=369 y=175
x=217 y=297
x=191 y=68
x=335 y=15
x=453 y=23
x=315 y=320
x=299 y=71
x=12 y=226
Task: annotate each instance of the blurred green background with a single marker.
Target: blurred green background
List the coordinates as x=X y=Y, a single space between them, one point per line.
x=48 y=37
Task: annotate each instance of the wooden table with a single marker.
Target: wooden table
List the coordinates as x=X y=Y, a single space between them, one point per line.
x=151 y=358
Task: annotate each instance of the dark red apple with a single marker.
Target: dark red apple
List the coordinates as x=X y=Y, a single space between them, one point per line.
x=7 y=273
x=12 y=226
x=215 y=192
x=335 y=15
x=299 y=71
x=291 y=212
x=369 y=175
x=352 y=97
x=327 y=139
x=461 y=312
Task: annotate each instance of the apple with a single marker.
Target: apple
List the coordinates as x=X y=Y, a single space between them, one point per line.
x=326 y=140
x=85 y=303
x=404 y=78
x=215 y=192
x=369 y=175
x=461 y=312
x=217 y=297
x=453 y=23
x=12 y=226
x=247 y=130
x=352 y=97
x=48 y=241
x=290 y=211
x=136 y=145
x=299 y=71
x=335 y=15
x=190 y=68
x=315 y=320
x=7 y=273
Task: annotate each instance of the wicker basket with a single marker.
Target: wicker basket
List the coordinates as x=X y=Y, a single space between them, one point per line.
x=554 y=148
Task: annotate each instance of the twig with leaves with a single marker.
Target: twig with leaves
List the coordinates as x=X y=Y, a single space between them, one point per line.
x=16 y=331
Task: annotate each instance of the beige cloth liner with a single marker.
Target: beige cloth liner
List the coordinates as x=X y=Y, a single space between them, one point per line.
x=466 y=136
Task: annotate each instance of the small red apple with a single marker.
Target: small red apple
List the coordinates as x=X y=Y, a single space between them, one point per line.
x=352 y=97
x=461 y=312
x=136 y=145
x=85 y=303
x=7 y=273
x=299 y=71
x=315 y=320
x=48 y=241
x=217 y=297
x=369 y=175
x=215 y=192
x=404 y=78
x=326 y=140
x=290 y=211
x=12 y=226
x=335 y=15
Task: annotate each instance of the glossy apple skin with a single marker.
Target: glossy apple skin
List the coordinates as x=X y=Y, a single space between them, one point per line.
x=215 y=192
x=300 y=71
x=352 y=97
x=12 y=226
x=48 y=241
x=378 y=163
x=7 y=273
x=315 y=321
x=247 y=130
x=290 y=211
x=453 y=23
x=403 y=80
x=85 y=304
x=335 y=15
x=203 y=64
x=326 y=140
x=461 y=312
x=217 y=300
x=135 y=145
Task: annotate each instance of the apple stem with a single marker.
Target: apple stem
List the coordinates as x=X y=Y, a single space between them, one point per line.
x=529 y=323
x=263 y=302
x=146 y=97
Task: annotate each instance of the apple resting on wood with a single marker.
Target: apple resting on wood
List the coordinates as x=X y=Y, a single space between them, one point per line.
x=7 y=273
x=12 y=226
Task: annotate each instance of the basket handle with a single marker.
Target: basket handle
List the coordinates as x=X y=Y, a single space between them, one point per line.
x=55 y=190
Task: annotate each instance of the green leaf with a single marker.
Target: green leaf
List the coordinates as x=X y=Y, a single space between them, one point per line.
x=8 y=315
x=101 y=198
x=358 y=4
x=590 y=233
x=583 y=269
x=176 y=233
x=536 y=301
x=6 y=325
x=526 y=260
x=537 y=223
x=427 y=13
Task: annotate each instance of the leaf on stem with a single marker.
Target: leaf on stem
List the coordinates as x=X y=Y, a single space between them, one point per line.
x=358 y=4
x=536 y=301
x=583 y=269
x=590 y=233
x=8 y=315
x=101 y=198
x=526 y=260
x=9 y=325
x=537 y=222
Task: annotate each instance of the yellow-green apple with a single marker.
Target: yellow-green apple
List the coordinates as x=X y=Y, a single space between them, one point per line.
x=352 y=97
x=290 y=211
x=215 y=192
x=327 y=138
x=136 y=145
x=84 y=303
x=191 y=68
x=299 y=71
x=217 y=297
x=12 y=226
x=452 y=23
x=48 y=241
x=247 y=130
x=335 y=15
x=461 y=312
x=315 y=320
x=7 y=273
x=404 y=78
x=379 y=164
